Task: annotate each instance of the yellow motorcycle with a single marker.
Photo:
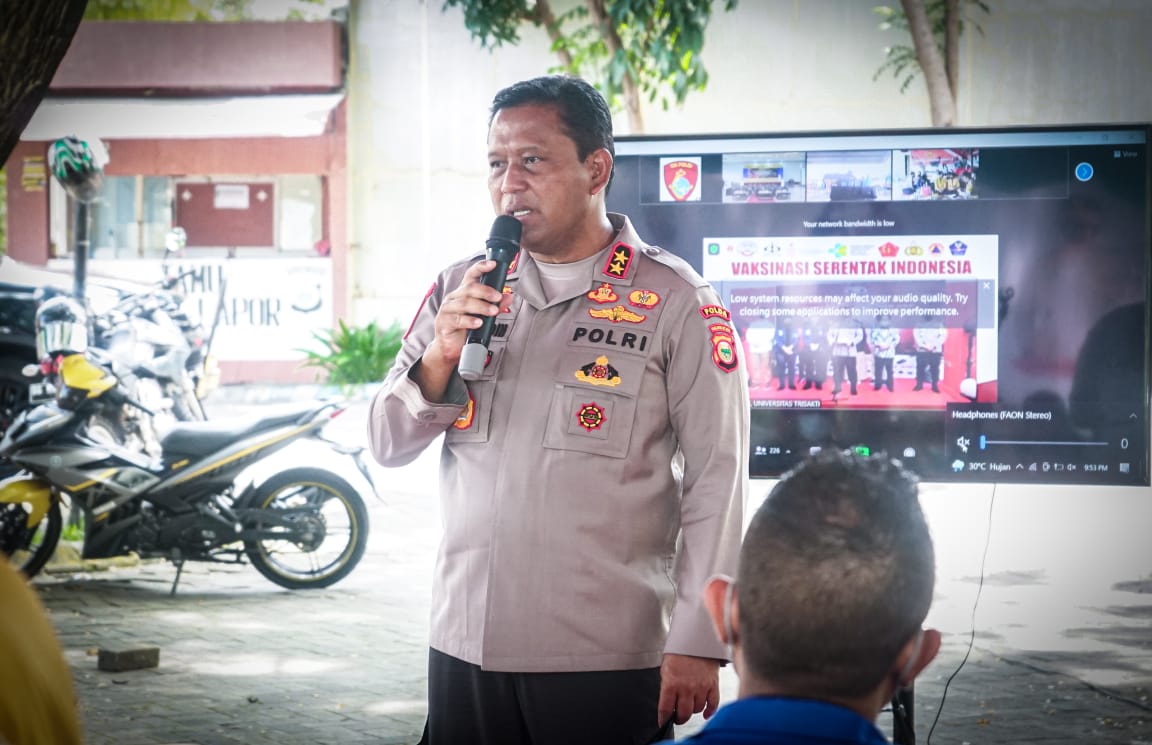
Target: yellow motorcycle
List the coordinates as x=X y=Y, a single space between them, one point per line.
x=302 y=527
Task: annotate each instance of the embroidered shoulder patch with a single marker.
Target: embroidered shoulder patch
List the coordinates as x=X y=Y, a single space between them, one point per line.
x=709 y=312
x=723 y=347
x=619 y=261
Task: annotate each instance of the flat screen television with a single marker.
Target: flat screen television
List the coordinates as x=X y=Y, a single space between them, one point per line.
x=972 y=301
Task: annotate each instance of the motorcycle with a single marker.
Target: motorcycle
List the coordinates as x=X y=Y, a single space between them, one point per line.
x=303 y=527
x=163 y=355
x=147 y=342
x=156 y=348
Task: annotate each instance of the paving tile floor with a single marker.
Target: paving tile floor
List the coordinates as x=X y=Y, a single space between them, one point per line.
x=1061 y=639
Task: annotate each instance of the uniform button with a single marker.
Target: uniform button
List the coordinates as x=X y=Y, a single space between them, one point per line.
x=651 y=250
x=426 y=416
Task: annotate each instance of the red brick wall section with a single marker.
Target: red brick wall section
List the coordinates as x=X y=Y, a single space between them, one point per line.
x=28 y=203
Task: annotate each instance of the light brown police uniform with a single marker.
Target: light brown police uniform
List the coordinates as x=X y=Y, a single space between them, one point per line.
x=607 y=425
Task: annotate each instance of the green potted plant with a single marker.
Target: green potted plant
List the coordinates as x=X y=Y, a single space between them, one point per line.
x=355 y=355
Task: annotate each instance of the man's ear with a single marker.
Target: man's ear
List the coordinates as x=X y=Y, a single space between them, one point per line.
x=600 y=167
x=916 y=655
x=719 y=599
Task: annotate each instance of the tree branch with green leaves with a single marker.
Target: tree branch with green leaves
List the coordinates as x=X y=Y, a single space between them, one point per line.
x=632 y=50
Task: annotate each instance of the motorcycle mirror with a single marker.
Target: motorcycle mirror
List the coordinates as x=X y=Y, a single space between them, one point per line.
x=30 y=371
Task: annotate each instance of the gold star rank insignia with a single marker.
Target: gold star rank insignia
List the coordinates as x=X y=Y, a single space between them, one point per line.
x=619 y=259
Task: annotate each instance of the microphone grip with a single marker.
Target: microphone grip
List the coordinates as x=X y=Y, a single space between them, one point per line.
x=475 y=352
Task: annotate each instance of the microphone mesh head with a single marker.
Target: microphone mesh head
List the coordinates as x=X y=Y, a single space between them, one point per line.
x=506 y=228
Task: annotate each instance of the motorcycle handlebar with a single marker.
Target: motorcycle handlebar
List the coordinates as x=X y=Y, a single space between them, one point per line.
x=133 y=402
x=169 y=282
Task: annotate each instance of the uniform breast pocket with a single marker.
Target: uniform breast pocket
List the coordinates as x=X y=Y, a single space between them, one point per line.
x=473 y=422
x=588 y=420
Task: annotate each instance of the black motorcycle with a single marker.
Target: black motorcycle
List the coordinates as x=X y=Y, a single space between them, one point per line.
x=302 y=527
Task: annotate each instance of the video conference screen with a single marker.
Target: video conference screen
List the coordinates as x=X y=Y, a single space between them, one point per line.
x=973 y=302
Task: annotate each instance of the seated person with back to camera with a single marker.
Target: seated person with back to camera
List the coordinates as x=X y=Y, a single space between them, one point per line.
x=835 y=579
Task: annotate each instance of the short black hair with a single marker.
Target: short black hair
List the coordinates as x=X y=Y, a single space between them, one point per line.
x=836 y=574
x=584 y=113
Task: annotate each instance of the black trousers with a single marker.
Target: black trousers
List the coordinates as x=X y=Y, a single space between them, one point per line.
x=882 y=372
x=843 y=366
x=928 y=367
x=470 y=706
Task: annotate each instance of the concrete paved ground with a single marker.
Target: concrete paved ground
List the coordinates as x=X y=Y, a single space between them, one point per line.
x=1051 y=588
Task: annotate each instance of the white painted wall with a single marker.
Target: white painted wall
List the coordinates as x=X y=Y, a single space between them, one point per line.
x=420 y=87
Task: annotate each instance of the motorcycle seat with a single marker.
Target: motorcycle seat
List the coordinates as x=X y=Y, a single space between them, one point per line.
x=202 y=438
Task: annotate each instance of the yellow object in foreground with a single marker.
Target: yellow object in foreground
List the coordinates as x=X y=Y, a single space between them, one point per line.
x=37 y=702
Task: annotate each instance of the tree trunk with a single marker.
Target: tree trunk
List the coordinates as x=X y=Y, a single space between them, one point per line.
x=952 y=45
x=546 y=18
x=931 y=63
x=33 y=39
x=631 y=90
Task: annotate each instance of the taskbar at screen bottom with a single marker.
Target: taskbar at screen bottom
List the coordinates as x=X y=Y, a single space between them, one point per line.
x=964 y=443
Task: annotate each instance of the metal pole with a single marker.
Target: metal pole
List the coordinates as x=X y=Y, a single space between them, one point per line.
x=80 y=257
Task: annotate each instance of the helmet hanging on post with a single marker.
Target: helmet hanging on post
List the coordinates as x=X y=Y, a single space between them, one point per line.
x=78 y=166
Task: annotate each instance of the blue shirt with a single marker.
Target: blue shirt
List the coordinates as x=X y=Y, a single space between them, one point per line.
x=775 y=720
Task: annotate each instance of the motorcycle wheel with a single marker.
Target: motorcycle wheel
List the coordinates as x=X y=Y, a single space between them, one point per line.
x=29 y=549
x=334 y=525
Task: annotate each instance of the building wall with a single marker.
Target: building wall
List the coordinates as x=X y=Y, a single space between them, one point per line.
x=28 y=209
x=419 y=90
x=27 y=195
x=191 y=62
x=226 y=58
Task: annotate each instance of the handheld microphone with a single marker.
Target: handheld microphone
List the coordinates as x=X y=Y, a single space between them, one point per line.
x=503 y=244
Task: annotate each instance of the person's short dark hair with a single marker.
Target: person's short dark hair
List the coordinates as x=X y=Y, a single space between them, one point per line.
x=836 y=574
x=584 y=113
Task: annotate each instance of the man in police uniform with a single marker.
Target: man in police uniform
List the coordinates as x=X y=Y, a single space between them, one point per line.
x=594 y=476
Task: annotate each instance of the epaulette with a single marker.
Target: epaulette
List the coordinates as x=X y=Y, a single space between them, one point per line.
x=678 y=265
